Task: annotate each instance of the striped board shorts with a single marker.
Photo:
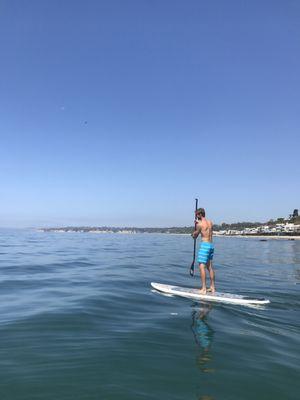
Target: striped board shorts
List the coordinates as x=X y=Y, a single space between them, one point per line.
x=206 y=252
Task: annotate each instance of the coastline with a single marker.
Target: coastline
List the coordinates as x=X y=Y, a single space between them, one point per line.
x=276 y=237
x=265 y=237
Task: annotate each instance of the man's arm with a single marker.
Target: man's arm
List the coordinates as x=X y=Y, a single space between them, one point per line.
x=197 y=231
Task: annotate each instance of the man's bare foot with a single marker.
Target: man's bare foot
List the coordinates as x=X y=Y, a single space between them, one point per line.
x=212 y=289
x=203 y=291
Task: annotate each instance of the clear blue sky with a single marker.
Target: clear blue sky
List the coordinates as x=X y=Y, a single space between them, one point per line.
x=121 y=112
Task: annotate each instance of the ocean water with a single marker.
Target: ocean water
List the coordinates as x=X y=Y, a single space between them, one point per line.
x=78 y=319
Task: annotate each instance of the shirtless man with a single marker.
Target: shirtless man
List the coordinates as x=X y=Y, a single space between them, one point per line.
x=206 y=250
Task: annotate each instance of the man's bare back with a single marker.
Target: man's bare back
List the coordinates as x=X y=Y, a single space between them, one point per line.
x=205 y=228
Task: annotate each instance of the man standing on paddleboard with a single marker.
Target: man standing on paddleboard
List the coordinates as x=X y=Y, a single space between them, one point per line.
x=206 y=250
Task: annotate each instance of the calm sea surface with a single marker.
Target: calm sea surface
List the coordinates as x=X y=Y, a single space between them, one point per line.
x=78 y=319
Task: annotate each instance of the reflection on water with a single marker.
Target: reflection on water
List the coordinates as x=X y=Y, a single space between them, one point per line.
x=206 y=398
x=203 y=335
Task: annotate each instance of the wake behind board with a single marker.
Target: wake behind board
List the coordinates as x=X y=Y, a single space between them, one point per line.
x=192 y=293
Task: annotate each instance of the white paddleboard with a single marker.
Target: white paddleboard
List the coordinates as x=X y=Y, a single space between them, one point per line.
x=192 y=293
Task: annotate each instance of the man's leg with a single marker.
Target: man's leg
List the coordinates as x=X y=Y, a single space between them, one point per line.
x=212 y=277
x=203 y=278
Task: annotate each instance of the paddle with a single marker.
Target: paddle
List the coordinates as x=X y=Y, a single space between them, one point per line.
x=192 y=268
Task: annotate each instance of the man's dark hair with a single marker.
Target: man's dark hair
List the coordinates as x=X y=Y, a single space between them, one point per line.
x=201 y=212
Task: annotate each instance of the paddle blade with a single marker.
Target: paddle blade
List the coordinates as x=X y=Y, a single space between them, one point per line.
x=192 y=269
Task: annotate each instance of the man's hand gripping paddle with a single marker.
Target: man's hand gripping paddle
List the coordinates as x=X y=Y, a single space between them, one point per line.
x=192 y=268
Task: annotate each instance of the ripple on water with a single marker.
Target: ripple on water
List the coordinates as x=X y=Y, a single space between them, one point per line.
x=78 y=319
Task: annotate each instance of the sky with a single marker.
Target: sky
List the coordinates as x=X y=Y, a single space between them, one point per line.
x=121 y=112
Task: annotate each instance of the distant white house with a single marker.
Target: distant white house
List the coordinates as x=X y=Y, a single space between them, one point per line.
x=265 y=229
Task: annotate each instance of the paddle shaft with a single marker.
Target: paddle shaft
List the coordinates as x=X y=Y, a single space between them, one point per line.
x=192 y=268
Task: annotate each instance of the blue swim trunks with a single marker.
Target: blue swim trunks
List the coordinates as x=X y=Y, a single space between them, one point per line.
x=206 y=252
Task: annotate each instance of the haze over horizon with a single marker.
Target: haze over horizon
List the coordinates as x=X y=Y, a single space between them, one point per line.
x=120 y=113
x=84 y=223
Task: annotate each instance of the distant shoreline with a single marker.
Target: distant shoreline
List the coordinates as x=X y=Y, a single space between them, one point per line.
x=276 y=237
x=264 y=237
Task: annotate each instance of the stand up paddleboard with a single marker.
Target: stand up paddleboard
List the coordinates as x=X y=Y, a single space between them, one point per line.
x=195 y=294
